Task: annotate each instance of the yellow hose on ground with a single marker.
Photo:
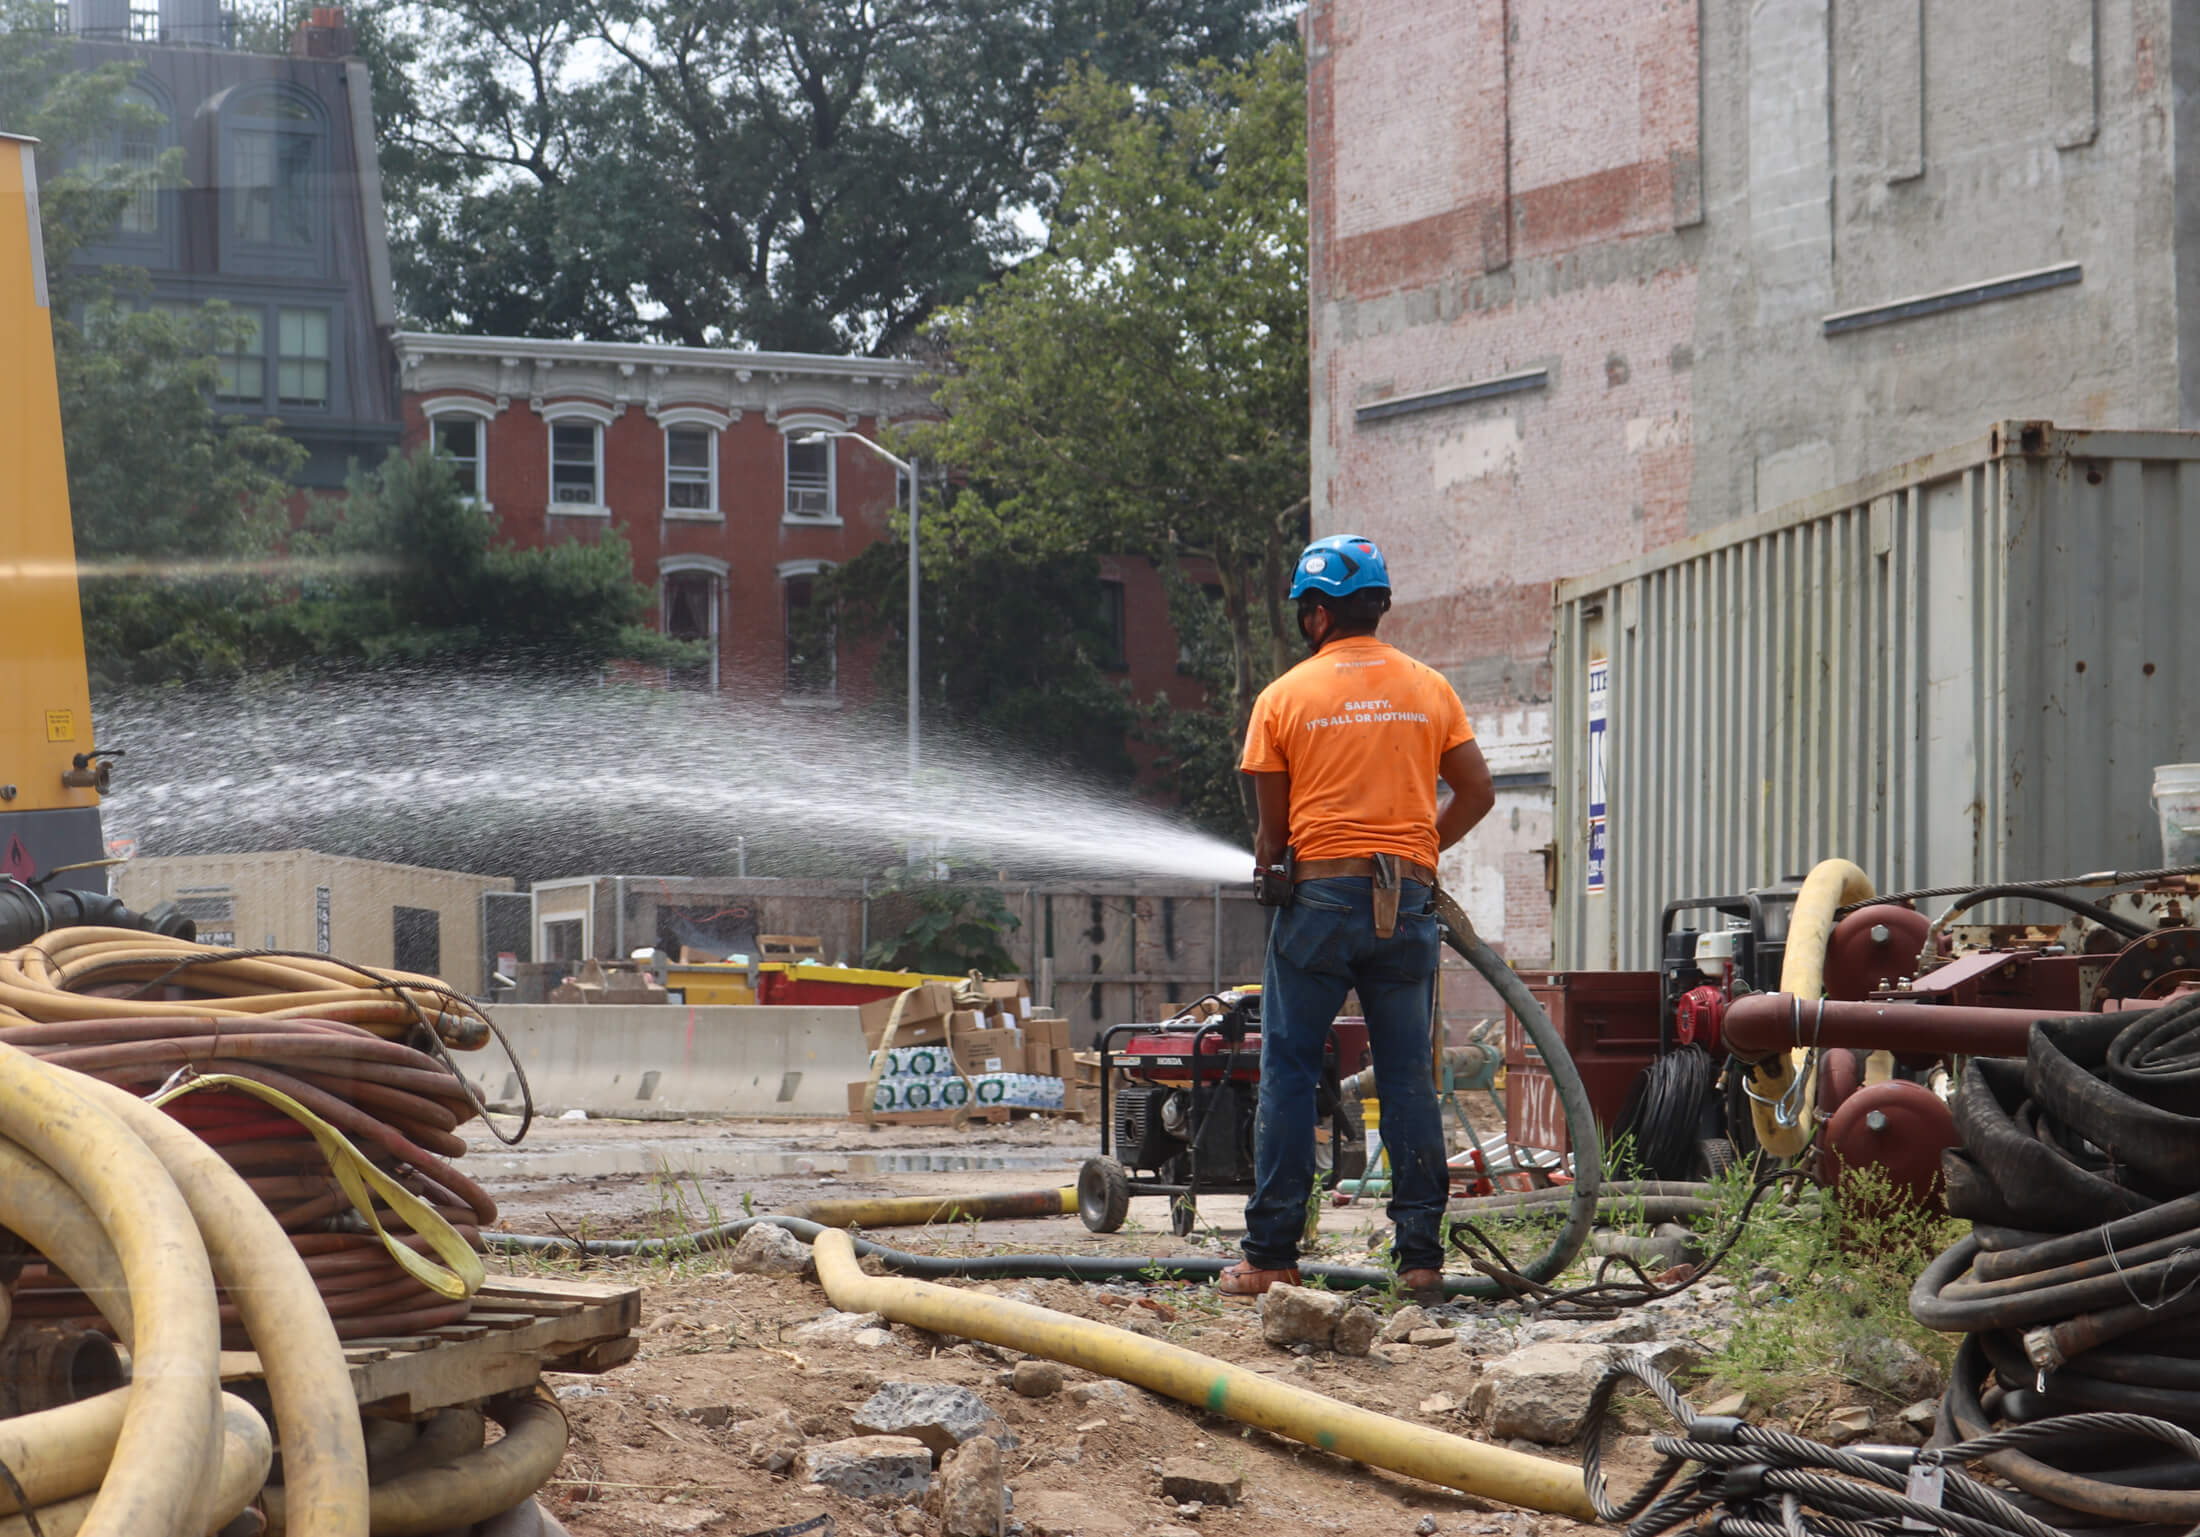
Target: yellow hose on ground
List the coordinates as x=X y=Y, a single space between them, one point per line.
x=1831 y=885
x=308 y=1379
x=168 y=1443
x=38 y=1204
x=246 y=1455
x=470 y=1487
x=920 y=1210
x=1205 y=1383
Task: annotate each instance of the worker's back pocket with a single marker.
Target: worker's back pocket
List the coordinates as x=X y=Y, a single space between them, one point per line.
x=1315 y=933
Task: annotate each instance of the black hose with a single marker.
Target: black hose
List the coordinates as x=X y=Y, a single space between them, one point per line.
x=972 y=1267
x=2128 y=928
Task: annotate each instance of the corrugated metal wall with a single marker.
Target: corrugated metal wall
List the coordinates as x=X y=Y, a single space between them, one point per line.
x=1961 y=670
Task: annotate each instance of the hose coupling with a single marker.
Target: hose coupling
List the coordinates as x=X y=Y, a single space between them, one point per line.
x=44 y=1366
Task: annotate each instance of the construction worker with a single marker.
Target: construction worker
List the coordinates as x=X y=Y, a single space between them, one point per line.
x=1344 y=751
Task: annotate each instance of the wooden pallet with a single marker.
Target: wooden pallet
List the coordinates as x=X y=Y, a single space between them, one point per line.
x=520 y=1327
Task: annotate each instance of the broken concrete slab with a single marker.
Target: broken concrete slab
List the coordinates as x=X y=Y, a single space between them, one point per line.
x=941 y=1416
x=868 y=1467
x=1355 y=1331
x=770 y=1250
x=1187 y=1479
x=1299 y=1315
x=1540 y=1393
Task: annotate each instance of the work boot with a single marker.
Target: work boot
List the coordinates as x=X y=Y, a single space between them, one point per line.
x=1244 y=1280
x=1423 y=1286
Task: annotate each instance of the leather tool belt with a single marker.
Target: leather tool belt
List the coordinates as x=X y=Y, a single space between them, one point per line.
x=1385 y=870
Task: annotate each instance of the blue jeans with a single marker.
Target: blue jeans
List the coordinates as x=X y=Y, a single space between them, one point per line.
x=1318 y=948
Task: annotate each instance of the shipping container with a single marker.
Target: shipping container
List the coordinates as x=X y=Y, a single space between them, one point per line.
x=1958 y=671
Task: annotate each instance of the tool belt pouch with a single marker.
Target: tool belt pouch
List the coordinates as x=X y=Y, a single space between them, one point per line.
x=1386 y=895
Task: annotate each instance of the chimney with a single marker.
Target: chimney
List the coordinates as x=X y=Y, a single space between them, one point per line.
x=323 y=35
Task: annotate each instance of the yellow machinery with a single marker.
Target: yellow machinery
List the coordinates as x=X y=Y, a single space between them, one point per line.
x=49 y=776
x=51 y=847
x=786 y=982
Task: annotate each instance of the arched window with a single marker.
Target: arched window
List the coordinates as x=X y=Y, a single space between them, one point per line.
x=811 y=631
x=691 y=593
x=458 y=430
x=274 y=175
x=142 y=135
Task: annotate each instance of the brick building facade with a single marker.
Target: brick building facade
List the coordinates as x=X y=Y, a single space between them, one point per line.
x=1590 y=278
x=714 y=466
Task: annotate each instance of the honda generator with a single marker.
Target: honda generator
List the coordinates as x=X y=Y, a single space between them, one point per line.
x=1179 y=1102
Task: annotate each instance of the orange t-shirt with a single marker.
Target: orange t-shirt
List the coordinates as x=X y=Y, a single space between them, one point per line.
x=1360 y=727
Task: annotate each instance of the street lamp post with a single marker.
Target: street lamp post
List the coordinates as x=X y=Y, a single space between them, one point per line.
x=907 y=467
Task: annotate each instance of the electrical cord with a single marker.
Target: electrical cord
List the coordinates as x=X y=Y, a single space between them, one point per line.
x=1664 y=1112
x=1602 y=1296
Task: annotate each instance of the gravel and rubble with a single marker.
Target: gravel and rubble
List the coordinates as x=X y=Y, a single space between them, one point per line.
x=754 y=1403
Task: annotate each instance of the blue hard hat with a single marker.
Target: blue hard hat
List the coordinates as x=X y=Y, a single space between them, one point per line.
x=1340 y=564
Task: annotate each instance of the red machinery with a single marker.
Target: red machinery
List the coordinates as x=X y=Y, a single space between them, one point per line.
x=1185 y=1108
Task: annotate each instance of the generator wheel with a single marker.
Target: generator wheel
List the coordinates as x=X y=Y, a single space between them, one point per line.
x=1718 y=1156
x=1183 y=1215
x=1103 y=1195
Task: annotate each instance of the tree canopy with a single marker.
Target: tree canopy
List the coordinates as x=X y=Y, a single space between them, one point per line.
x=1141 y=387
x=798 y=175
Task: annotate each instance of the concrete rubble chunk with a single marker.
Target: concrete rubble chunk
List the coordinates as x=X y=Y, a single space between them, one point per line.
x=1187 y=1479
x=1036 y=1379
x=1403 y=1322
x=1846 y=1425
x=1356 y=1331
x=768 y=1250
x=1429 y=1339
x=835 y=1328
x=970 y=1495
x=1299 y=1315
x=774 y=1441
x=1540 y=1393
x=1922 y=1415
x=868 y=1467
x=1068 y=1513
x=940 y=1416
x=1731 y=1407
x=1632 y=1329
x=1890 y=1366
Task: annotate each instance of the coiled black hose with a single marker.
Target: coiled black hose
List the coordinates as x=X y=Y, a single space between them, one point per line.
x=1664 y=1112
x=2080 y=1171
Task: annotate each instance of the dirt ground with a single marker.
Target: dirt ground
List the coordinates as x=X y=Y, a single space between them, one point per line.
x=654 y=1451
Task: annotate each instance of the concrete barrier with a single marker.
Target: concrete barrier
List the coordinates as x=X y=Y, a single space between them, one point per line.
x=666 y=1061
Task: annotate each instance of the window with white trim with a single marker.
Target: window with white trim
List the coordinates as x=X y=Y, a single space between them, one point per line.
x=691 y=470
x=458 y=440
x=138 y=147
x=576 y=464
x=811 y=636
x=810 y=480
x=692 y=596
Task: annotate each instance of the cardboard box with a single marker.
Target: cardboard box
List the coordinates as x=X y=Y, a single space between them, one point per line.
x=1050 y=1033
x=923 y=1017
x=1064 y=1063
x=859 y=1098
x=1013 y=999
x=988 y=1051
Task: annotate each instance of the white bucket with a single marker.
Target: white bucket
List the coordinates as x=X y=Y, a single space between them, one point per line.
x=2177 y=803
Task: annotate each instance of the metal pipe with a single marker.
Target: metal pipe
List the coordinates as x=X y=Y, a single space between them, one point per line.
x=1762 y=1025
x=914 y=674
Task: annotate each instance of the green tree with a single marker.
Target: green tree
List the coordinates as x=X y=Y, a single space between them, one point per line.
x=1016 y=647
x=813 y=175
x=416 y=574
x=1142 y=386
x=951 y=928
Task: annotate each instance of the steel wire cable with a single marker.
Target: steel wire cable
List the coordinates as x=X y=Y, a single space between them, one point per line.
x=2057 y=883
x=1761 y=1482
